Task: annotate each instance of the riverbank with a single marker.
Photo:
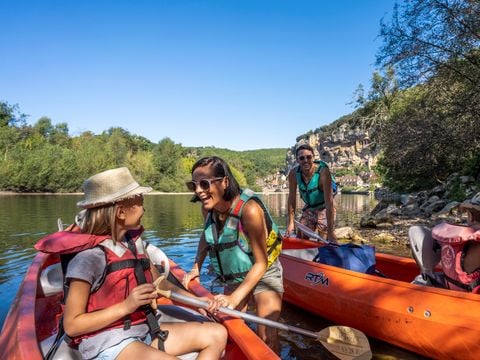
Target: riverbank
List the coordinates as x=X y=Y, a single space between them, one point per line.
x=8 y=193
x=391 y=238
x=392 y=217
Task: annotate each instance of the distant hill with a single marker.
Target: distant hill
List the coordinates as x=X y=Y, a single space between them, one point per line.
x=251 y=164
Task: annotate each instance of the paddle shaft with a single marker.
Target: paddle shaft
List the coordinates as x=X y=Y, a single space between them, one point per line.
x=307 y=231
x=239 y=314
x=344 y=342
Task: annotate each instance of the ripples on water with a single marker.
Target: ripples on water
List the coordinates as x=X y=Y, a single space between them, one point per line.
x=173 y=224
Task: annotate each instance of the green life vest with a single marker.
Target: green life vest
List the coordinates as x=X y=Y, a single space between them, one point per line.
x=230 y=253
x=311 y=193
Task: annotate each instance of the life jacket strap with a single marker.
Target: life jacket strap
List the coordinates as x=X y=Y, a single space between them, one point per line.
x=226 y=278
x=155 y=331
x=128 y=264
x=220 y=247
x=467 y=287
x=274 y=245
x=320 y=206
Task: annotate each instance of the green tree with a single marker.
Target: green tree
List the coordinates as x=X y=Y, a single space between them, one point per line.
x=166 y=159
x=10 y=115
x=423 y=37
x=44 y=127
x=431 y=128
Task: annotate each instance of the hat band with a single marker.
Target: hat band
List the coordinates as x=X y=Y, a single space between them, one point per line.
x=110 y=198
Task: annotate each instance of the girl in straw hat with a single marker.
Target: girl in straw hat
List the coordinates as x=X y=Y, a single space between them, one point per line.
x=110 y=282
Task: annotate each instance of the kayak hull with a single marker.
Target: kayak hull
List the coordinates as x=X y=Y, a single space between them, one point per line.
x=33 y=318
x=433 y=322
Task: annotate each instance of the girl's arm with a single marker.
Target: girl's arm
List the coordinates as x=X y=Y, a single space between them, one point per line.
x=78 y=322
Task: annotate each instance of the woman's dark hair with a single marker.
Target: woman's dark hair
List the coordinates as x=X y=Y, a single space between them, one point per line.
x=304 y=147
x=220 y=169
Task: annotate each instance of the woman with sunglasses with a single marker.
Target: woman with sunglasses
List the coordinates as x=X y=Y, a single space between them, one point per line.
x=314 y=181
x=242 y=241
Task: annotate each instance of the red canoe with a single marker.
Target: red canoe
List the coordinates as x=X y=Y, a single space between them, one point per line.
x=33 y=317
x=433 y=322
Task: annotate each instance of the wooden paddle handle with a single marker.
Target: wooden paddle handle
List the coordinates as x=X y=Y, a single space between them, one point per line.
x=158 y=291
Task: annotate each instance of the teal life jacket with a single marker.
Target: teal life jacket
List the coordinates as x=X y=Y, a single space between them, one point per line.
x=230 y=253
x=311 y=193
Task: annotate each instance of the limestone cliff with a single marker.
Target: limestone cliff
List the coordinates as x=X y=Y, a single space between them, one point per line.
x=341 y=147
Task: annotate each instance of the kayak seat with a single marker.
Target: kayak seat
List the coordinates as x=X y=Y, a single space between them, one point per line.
x=426 y=252
x=305 y=254
x=63 y=352
x=51 y=280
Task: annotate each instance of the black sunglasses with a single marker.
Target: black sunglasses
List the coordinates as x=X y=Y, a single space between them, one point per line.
x=204 y=183
x=308 y=157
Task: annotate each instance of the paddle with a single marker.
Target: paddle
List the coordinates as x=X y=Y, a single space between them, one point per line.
x=344 y=342
x=309 y=232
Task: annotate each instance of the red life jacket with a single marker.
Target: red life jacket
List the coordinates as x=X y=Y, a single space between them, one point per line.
x=120 y=276
x=455 y=241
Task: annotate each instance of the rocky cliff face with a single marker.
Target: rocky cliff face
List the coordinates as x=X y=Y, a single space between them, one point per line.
x=344 y=146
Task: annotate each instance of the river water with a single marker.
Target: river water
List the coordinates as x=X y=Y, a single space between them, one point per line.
x=172 y=223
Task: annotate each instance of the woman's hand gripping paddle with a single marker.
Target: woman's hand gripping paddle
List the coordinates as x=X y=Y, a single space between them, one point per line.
x=344 y=342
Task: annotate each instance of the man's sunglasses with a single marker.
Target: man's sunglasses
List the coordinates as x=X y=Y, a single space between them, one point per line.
x=204 y=184
x=308 y=157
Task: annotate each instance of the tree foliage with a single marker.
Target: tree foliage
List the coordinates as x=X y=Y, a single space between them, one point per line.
x=44 y=158
x=10 y=115
x=425 y=37
x=432 y=127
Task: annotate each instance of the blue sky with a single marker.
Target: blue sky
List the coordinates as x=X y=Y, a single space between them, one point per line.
x=231 y=74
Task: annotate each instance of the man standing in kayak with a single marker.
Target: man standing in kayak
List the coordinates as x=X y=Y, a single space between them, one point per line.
x=314 y=182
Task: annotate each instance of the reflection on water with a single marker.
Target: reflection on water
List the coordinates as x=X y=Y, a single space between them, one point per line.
x=350 y=208
x=172 y=222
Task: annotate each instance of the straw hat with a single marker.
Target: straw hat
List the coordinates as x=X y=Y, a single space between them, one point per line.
x=109 y=187
x=472 y=205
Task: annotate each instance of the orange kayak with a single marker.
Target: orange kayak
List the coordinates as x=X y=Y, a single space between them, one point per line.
x=436 y=323
x=31 y=323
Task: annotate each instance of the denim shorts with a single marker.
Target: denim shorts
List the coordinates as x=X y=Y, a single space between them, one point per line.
x=113 y=351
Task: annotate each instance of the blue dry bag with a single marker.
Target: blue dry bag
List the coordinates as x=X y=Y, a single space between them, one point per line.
x=353 y=257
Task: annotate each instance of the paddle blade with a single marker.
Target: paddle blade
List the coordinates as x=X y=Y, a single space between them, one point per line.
x=309 y=232
x=345 y=343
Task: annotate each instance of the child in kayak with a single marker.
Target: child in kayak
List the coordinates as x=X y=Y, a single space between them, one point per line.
x=107 y=309
x=456 y=247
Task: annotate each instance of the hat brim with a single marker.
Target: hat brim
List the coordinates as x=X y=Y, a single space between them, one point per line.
x=108 y=200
